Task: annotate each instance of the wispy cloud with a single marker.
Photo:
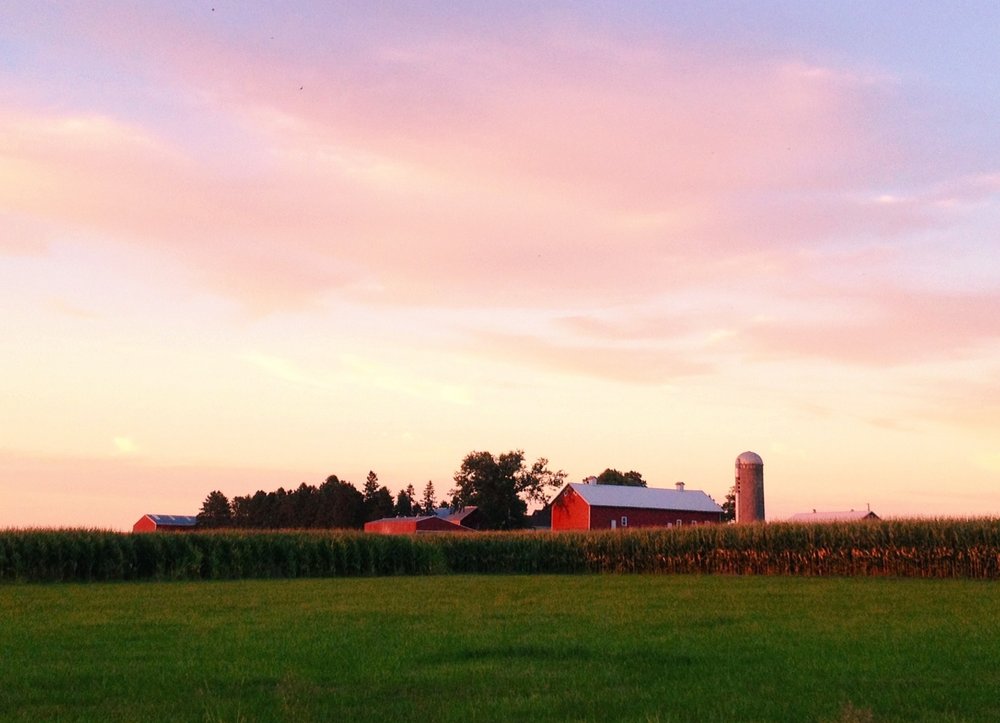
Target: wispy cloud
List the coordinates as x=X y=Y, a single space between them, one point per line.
x=355 y=370
x=633 y=365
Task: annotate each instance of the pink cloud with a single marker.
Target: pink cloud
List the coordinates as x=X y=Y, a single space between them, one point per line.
x=453 y=171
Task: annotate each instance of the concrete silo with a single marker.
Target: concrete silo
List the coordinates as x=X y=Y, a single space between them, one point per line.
x=749 y=488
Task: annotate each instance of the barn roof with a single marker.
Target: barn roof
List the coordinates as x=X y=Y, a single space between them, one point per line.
x=411 y=518
x=447 y=513
x=418 y=523
x=174 y=520
x=845 y=516
x=647 y=498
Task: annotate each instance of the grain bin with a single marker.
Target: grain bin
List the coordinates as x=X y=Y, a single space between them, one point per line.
x=749 y=488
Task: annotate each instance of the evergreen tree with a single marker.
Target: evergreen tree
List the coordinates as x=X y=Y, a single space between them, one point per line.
x=334 y=504
x=215 y=511
x=427 y=503
x=371 y=485
x=377 y=500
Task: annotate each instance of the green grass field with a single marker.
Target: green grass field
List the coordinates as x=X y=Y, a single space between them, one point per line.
x=491 y=648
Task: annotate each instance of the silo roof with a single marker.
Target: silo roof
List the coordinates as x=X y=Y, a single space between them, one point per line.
x=749 y=458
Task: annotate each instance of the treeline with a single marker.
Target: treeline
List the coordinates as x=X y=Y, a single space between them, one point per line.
x=335 y=504
x=499 y=486
x=942 y=548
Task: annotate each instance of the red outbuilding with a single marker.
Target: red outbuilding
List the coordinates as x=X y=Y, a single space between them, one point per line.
x=603 y=507
x=161 y=523
x=413 y=525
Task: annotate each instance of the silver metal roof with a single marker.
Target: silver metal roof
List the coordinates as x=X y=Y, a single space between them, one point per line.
x=446 y=513
x=646 y=498
x=175 y=520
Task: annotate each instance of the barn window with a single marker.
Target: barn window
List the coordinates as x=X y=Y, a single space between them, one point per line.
x=680 y=522
x=624 y=520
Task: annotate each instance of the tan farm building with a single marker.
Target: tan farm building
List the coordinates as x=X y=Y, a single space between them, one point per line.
x=846 y=516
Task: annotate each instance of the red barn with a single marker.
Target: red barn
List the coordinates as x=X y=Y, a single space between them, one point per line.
x=158 y=523
x=603 y=507
x=413 y=525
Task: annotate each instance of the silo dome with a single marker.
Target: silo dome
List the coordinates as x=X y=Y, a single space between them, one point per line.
x=749 y=458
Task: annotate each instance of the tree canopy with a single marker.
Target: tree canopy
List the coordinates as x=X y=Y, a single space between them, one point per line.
x=623 y=479
x=501 y=486
x=333 y=504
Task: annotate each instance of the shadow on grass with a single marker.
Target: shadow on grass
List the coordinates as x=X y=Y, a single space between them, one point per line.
x=542 y=654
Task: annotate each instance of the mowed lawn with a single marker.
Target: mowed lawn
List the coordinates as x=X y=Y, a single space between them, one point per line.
x=492 y=648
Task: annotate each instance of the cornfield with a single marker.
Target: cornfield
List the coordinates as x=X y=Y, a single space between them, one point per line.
x=942 y=548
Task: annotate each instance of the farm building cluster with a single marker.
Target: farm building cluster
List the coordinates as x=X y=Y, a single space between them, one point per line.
x=589 y=506
x=444 y=519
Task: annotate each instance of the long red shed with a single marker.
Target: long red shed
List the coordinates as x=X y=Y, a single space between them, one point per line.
x=603 y=507
x=413 y=525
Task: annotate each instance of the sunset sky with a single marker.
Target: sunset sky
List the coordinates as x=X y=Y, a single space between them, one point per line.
x=250 y=245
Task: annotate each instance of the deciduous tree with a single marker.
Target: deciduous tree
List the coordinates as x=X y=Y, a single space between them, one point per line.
x=729 y=506
x=500 y=487
x=623 y=479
